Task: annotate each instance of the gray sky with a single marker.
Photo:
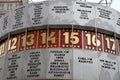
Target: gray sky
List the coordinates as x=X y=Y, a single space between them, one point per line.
x=115 y=4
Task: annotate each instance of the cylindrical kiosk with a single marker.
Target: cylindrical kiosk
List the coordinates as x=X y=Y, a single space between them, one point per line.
x=60 y=40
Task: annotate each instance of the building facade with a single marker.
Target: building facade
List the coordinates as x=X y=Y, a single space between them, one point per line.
x=6 y=5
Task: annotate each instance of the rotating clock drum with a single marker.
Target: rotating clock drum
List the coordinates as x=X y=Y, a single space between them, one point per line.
x=60 y=40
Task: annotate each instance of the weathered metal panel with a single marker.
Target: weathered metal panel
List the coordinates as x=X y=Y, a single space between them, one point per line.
x=118 y=68
x=60 y=65
x=60 y=12
x=34 y=64
x=38 y=13
x=19 y=18
x=84 y=13
x=105 y=17
x=85 y=65
x=2 y=61
x=108 y=66
x=13 y=66
x=6 y=24
x=117 y=22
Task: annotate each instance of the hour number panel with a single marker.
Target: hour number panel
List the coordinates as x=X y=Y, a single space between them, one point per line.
x=22 y=42
x=71 y=38
x=3 y=48
x=28 y=41
x=53 y=38
x=13 y=44
x=48 y=38
x=42 y=39
x=31 y=42
x=92 y=41
x=109 y=44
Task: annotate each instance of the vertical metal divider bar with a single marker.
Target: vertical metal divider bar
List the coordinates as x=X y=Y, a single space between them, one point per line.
x=6 y=50
x=118 y=59
x=25 y=44
x=82 y=39
x=26 y=30
x=117 y=54
x=9 y=34
x=18 y=43
x=96 y=34
x=25 y=39
x=59 y=37
x=47 y=48
x=48 y=25
x=72 y=53
x=47 y=36
x=48 y=51
x=96 y=42
x=82 y=44
x=11 y=12
x=23 y=54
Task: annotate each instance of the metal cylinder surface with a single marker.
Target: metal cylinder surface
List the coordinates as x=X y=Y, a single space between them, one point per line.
x=60 y=40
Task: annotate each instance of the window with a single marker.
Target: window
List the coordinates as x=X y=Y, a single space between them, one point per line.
x=18 y=4
x=9 y=6
x=1 y=6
